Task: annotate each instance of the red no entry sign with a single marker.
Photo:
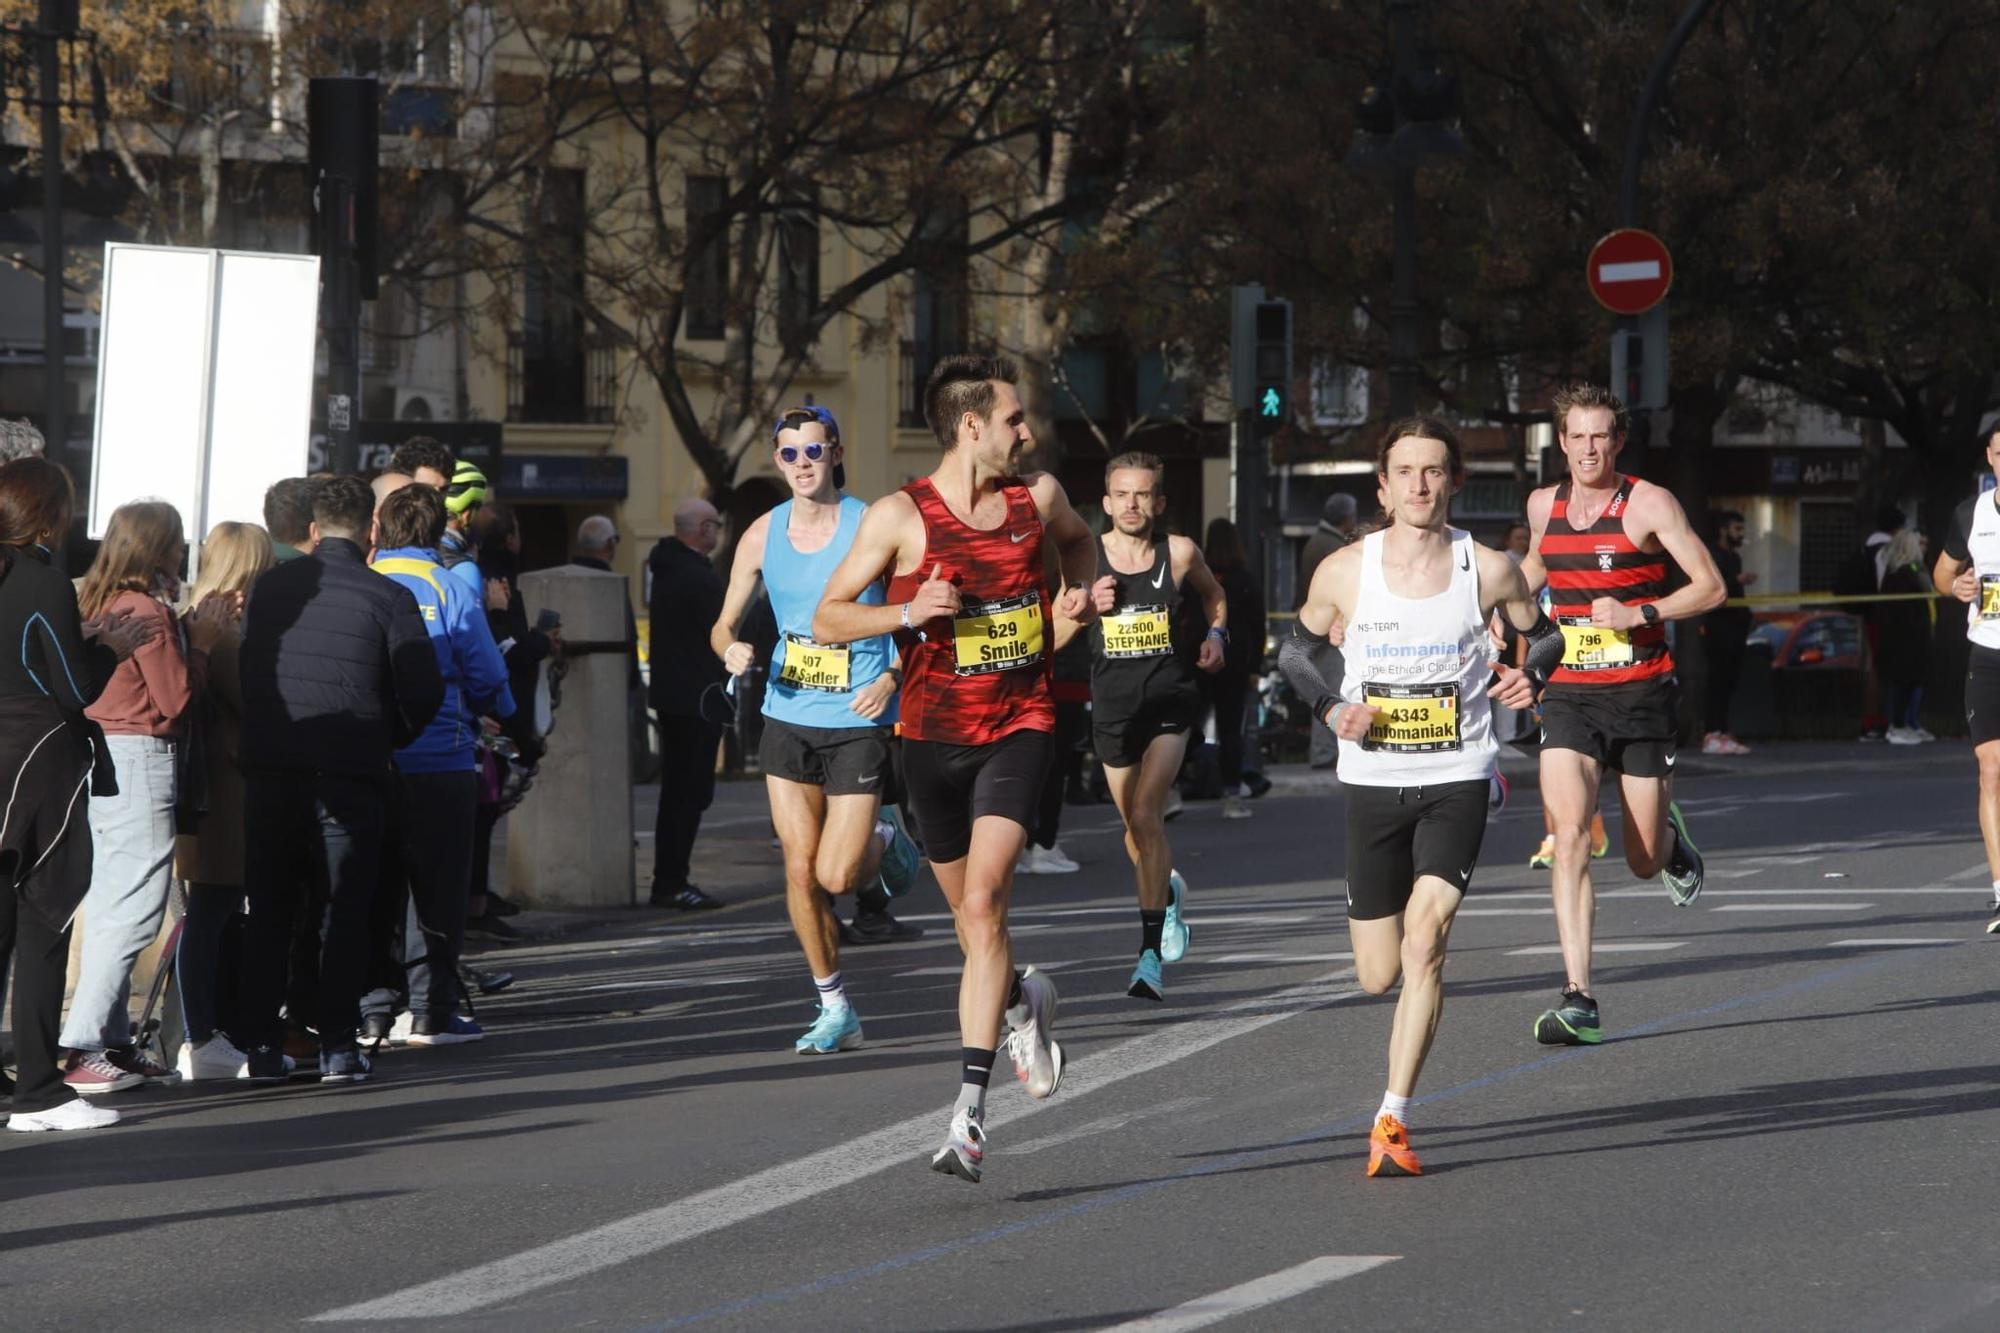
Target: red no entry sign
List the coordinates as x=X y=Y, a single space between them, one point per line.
x=1630 y=271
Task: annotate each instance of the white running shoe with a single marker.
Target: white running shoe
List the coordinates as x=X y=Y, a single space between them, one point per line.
x=1904 y=736
x=1236 y=807
x=1174 y=804
x=964 y=1147
x=1038 y=1057
x=75 y=1113
x=215 y=1058
x=1045 y=861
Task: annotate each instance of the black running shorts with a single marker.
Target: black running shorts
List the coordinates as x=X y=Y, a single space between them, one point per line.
x=847 y=761
x=1982 y=694
x=949 y=786
x=1120 y=737
x=1397 y=835
x=1631 y=728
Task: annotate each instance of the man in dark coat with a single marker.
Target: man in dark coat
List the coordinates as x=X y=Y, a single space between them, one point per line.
x=686 y=598
x=338 y=674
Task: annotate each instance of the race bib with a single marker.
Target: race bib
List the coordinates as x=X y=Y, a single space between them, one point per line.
x=814 y=666
x=1138 y=631
x=1588 y=647
x=1411 y=719
x=998 y=636
x=1989 y=596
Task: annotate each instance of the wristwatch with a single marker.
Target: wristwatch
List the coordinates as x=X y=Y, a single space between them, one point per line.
x=1218 y=632
x=1650 y=613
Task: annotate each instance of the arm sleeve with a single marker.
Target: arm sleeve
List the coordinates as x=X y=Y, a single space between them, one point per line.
x=416 y=686
x=1545 y=647
x=1295 y=662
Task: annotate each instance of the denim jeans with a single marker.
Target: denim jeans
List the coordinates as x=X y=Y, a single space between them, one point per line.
x=133 y=833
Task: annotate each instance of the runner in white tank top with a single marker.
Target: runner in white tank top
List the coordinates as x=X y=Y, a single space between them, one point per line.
x=1968 y=568
x=1415 y=733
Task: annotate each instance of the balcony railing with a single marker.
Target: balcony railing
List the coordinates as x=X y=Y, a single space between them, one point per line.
x=580 y=389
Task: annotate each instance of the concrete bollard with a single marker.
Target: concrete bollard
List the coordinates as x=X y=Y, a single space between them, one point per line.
x=569 y=843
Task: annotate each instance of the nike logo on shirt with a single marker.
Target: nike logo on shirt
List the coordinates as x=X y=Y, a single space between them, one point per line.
x=1160 y=578
x=1465 y=560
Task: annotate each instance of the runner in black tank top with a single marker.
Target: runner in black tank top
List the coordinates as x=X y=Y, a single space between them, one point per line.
x=1143 y=700
x=1601 y=542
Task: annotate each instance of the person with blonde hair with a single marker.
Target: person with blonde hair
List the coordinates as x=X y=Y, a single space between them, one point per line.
x=142 y=712
x=210 y=855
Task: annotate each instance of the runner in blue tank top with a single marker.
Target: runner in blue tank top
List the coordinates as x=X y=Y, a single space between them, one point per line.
x=828 y=711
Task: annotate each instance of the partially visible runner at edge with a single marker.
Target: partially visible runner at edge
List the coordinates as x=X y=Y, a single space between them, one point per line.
x=1143 y=696
x=1969 y=569
x=826 y=751
x=1600 y=541
x=966 y=603
x=1411 y=715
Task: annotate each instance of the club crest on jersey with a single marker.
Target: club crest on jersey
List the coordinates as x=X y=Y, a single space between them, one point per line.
x=1604 y=554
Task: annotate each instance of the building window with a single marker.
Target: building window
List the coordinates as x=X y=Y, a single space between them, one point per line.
x=708 y=260
x=939 y=301
x=798 y=271
x=1339 y=394
x=551 y=342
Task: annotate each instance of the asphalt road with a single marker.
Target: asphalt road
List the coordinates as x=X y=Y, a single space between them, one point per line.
x=1791 y=1124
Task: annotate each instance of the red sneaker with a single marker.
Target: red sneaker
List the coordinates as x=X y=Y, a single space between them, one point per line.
x=89 y=1072
x=1389 y=1152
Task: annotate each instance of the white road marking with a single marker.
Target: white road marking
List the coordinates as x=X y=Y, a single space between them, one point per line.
x=1792 y=907
x=1255 y=1295
x=1659 y=946
x=1505 y=911
x=1734 y=872
x=1109 y=1122
x=1877 y=943
x=789 y=1183
x=1229 y=958
x=1979 y=872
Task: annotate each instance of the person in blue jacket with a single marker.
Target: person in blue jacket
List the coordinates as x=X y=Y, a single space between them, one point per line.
x=439 y=769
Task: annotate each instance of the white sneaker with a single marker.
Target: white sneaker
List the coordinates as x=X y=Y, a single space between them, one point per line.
x=964 y=1147
x=399 y=1031
x=1904 y=736
x=1923 y=734
x=73 y=1114
x=1055 y=861
x=1235 y=807
x=1174 y=804
x=215 y=1058
x=1038 y=1057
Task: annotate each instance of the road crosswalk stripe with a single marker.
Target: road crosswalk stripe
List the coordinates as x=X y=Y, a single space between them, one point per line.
x=1256 y=1294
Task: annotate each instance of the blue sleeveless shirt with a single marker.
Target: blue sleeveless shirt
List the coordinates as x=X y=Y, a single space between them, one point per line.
x=811 y=685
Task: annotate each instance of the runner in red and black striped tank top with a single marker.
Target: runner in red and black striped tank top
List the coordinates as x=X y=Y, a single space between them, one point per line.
x=1601 y=560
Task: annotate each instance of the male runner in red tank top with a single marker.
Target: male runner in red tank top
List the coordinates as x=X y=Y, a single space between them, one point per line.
x=1600 y=543
x=964 y=549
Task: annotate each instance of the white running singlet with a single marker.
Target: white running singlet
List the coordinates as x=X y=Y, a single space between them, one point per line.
x=1982 y=543
x=1423 y=664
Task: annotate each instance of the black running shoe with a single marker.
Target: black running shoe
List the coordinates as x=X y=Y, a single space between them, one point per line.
x=877 y=928
x=1573 y=1022
x=1993 y=924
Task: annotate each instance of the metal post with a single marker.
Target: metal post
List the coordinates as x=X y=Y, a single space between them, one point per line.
x=52 y=28
x=1405 y=336
x=341 y=318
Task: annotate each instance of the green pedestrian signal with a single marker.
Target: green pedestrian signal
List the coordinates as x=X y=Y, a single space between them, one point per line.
x=1271 y=405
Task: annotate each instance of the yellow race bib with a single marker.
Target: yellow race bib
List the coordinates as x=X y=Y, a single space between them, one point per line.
x=1588 y=647
x=815 y=666
x=1138 y=631
x=1989 y=596
x=1411 y=719
x=998 y=636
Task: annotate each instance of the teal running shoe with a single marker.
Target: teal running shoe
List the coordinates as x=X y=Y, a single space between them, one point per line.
x=1573 y=1022
x=1174 y=936
x=1146 y=982
x=836 y=1030
x=901 y=860
x=1683 y=871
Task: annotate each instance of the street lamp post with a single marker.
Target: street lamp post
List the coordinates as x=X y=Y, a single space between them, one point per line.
x=57 y=21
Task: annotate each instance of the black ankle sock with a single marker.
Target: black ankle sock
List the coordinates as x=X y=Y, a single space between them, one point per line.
x=976 y=1065
x=1014 y=991
x=1150 y=926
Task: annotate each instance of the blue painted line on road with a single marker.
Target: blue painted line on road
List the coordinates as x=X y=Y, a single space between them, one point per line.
x=1139 y=1189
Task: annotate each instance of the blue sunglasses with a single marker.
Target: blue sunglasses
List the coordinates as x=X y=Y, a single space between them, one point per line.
x=813 y=452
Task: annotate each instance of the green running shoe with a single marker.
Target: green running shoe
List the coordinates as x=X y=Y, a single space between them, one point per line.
x=1683 y=871
x=1174 y=935
x=900 y=860
x=1573 y=1022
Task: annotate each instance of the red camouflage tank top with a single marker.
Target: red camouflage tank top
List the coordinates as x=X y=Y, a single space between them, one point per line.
x=972 y=678
x=1601 y=561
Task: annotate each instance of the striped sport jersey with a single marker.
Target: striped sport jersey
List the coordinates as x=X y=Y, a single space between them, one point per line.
x=1602 y=561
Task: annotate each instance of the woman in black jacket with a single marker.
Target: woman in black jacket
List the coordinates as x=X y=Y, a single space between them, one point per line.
x=47 y=752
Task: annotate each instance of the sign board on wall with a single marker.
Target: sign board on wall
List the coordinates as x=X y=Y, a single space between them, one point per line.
x=204 y=380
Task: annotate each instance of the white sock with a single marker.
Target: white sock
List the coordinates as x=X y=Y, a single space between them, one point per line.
x=1395 y=1106
x=973 y=1098
x=1996 y=893
x=832 y=991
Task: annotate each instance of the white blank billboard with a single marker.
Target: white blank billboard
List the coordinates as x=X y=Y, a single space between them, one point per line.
x=204 y=380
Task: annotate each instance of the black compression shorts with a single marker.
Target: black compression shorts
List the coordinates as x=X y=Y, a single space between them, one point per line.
x=1120 y=736
x=1631 y=728
x=1982 y=694
x=1397 y=835
x=847 y=761
x=949 y=786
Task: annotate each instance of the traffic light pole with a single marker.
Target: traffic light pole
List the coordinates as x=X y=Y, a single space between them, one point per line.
x=341 y=318
x=1249 y=480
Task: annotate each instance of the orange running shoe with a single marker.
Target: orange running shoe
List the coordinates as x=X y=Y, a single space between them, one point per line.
x=1389 y=1152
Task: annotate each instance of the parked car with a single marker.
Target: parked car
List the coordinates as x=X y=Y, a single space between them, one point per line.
x=1810 y=638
